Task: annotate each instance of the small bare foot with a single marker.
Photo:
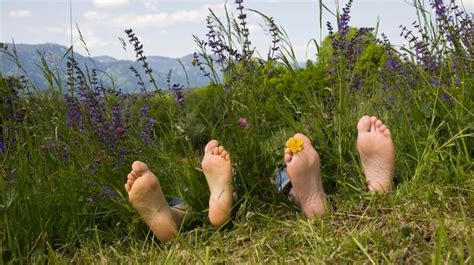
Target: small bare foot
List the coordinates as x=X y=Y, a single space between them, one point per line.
x=146 y=196
x=217 y=168
x=304 y=172
x=377 y=153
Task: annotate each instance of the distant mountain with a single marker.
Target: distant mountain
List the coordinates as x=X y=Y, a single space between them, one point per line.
x=111 y=71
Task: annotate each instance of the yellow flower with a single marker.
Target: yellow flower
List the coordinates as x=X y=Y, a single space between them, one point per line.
x=295 y=144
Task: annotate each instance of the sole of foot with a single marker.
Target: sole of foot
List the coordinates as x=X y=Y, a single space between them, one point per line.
x=305 y=175
x=146 y=196
x=217 y=168
x=377 y=153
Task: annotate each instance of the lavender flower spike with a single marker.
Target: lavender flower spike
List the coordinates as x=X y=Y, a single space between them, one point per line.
x=177 y=90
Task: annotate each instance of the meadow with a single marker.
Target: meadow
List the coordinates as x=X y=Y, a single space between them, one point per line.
x=65 y=150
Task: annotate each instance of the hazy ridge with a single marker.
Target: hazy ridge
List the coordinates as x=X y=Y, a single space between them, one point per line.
x=109 y=68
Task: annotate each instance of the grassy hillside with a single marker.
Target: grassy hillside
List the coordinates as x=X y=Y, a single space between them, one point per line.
x=64 y=158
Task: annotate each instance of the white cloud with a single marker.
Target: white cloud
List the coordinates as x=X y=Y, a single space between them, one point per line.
x=166 y=19
x=109 y=3
x=91 y=38
x=52 y=30
x=253 y=28
x=186 y=16
x=150 y=5
x=20 y=13
x=303 y=51
x=94 y=15
x=469 y=5
x=159 y=20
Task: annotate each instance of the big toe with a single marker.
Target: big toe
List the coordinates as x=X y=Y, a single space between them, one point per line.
x=139 y=168
x=364 y=124
x=210 y=146
x=306 y=140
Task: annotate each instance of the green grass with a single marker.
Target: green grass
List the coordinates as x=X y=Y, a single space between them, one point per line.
x=411 y=225
x=62 y=183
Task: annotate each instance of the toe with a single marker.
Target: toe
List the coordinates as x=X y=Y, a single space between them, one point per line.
x=364 y=124
x=306 y=140
x=131 y=176
x=382 y=128
x=378 y=123
x=387 y=133
x=130 y=183
x=127 y=187
x=373 y=119
x=210 y=146
x=215 y=151
x=224 y=153
x=139 y=168
x=288 y=158
x=220 y=149
x=227 y=157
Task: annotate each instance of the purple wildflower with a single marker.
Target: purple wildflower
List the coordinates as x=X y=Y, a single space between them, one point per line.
x=107 y=192
x=243 y=122
x=447 y=98
x=70 y=66
x=215 y=42
x=2 y=144
x=177 y=90
x=145 y=135
x=152 y=122
x=357 y=83
x=144 y=110
x=141 y=58
x=140 y=82
x=421 y=46
x=147 y=125
x=440 y=8
x=120 y=131
x=198 y=63
x=244 y=30
x=274 y=32
x=117 y=117
x=343 y=22
x=73 y=112
x=390 y=64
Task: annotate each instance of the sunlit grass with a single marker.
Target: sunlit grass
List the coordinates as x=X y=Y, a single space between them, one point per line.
x=65 y=153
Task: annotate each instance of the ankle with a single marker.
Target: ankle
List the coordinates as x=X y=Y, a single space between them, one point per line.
x=380 y=187
x=315 y=206
x=219 y=212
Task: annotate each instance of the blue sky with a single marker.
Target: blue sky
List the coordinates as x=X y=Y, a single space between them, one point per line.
x=166 y=27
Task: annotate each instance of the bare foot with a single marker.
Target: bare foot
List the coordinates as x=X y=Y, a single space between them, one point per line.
x=217 y=168
x=304 y=172
x=146 y=196
x=377 y=153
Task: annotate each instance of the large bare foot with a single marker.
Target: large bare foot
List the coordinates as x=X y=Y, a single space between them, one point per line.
x=304 y=172
x=146 y=196
x=377 y=153
x=217 y=168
